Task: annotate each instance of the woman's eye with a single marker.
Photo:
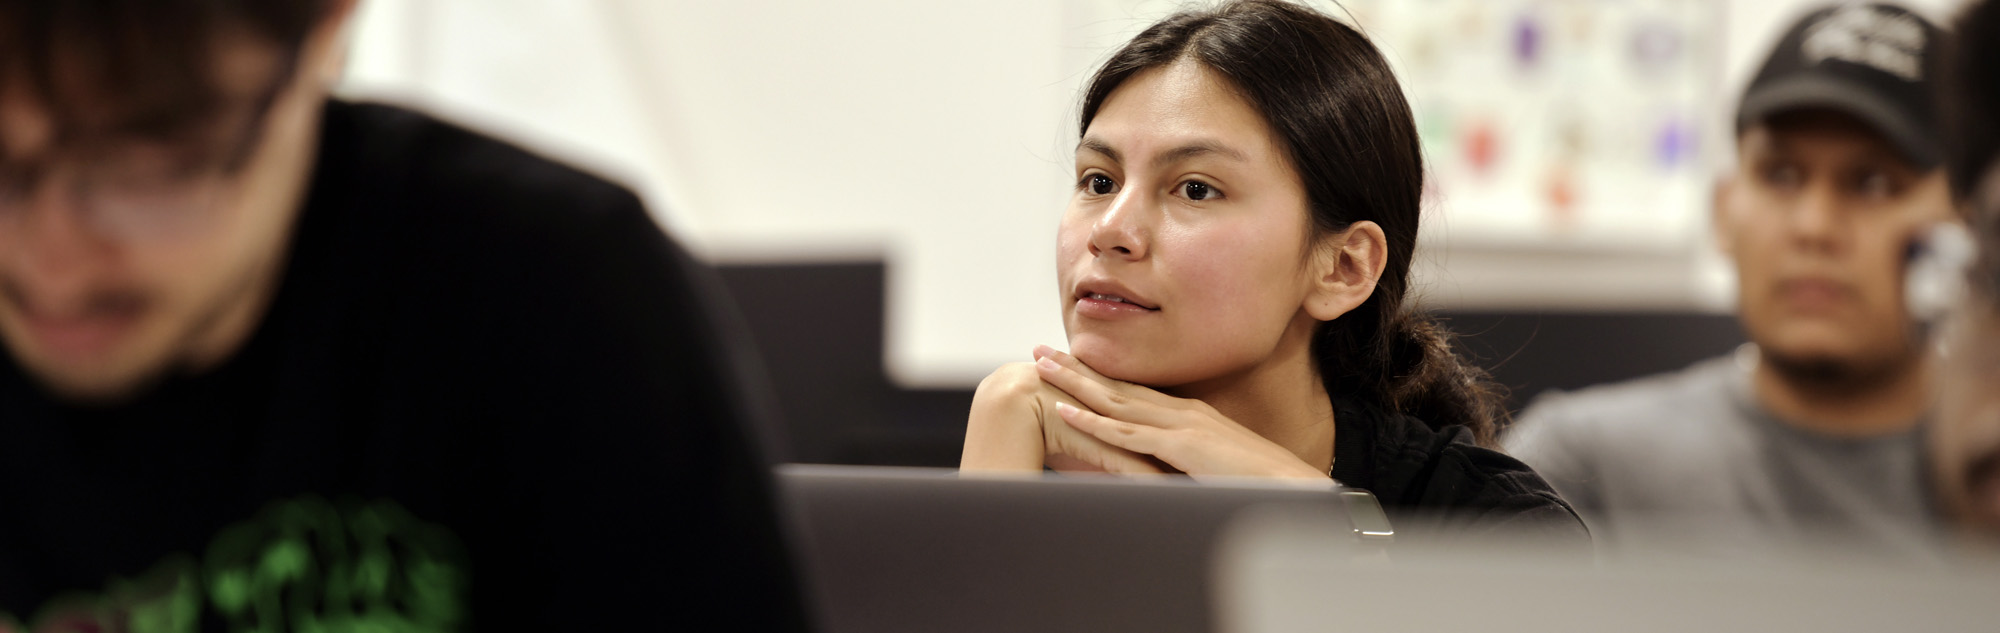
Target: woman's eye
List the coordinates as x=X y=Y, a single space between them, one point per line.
x=1197 y=190
x=1099 y=184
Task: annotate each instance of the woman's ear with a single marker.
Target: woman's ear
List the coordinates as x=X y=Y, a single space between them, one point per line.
x=1345 y=269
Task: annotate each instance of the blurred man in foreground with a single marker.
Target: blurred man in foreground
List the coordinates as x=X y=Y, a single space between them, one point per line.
x=1815 y=428
x=276 y=362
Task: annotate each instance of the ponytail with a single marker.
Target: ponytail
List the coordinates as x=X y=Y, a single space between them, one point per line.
x=1403 y=362
x=1433 y=383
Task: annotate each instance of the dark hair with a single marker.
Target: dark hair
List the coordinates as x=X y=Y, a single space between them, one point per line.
x=1971 y=96
x=135 y=62
x=1971 y=104
x=1336 y=107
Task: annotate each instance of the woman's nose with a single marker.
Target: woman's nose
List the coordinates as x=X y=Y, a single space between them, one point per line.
x=1123 y=231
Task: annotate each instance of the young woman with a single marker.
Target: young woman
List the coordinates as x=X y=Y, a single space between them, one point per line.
x=1232 y=268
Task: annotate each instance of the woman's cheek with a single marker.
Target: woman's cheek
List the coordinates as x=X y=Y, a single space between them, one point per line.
x=1227 y=272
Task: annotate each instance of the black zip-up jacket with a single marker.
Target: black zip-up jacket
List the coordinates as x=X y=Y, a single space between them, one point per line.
x=1439 y=485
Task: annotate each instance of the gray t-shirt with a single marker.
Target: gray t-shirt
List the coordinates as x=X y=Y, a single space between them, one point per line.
x=1690 y=457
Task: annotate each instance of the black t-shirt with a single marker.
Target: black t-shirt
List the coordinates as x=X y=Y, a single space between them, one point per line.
x=1437 y=484
x=488 y=394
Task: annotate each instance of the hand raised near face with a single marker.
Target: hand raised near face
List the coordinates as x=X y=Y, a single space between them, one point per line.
x=1014 y=428
x=1185 y=434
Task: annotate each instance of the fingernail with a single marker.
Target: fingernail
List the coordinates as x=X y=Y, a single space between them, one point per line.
x=1063 y=409
x=1043 y=351
x=1047 y=363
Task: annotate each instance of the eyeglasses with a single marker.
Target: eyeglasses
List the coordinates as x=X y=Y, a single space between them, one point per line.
x=140 y=192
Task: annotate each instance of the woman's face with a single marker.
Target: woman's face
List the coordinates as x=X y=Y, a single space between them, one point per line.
x=1180 y=257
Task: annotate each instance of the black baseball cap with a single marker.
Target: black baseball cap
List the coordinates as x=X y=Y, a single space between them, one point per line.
x=1872 y=61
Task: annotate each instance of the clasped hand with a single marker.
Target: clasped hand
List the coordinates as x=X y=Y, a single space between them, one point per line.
x=1086 y=421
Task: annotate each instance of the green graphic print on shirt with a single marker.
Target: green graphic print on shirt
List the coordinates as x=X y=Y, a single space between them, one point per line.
x=303 y=565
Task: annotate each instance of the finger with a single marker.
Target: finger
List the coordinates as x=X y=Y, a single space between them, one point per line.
x=1064 y=359
x=1103 y=458
x=1065 y=463
x=1137 y=438
x=1065 y=441
x=1137 y=392
x=1074 y=450
x=1094 y=395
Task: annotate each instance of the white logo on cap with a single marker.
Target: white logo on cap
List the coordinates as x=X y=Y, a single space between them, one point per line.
x=1870 y=36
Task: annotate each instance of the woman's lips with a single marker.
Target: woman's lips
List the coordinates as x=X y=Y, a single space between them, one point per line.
x=1102 y=306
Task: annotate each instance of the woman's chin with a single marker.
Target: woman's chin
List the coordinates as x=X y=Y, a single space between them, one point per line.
x=1157 y=371
x=1118 y=363
x=1114 y=361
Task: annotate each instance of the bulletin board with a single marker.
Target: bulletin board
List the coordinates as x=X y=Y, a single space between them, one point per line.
x=1552 y=124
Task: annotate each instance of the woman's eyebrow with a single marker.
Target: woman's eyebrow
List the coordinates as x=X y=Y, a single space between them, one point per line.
x=1169 y=157
x=1100 y=147
x=1197 y=148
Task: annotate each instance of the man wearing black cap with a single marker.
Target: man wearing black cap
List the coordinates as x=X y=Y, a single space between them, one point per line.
x=1812 y=430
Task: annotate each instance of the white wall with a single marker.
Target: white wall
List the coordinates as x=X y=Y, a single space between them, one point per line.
x=934 y=134
x=929 y=133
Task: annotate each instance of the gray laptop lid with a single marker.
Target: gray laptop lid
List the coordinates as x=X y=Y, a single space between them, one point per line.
x=1277 y=579
x=901 y=549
